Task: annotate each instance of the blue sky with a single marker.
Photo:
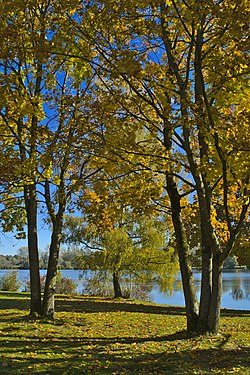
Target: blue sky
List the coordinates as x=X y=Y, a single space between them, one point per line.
x=9 y=245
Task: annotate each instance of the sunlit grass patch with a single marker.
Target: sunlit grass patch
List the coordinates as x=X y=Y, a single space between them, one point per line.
x=97 y=336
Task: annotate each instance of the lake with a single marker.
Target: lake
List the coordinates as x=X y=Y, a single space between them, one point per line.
x=236 y=288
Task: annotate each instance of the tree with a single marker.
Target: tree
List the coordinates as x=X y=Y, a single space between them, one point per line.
x=180 y=69
x=139 y=248
x=151 y=90
x=23 y=257
x=22 y=61
x=45 y=128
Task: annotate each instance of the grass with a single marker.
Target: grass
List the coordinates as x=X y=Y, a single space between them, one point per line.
x=99 y=336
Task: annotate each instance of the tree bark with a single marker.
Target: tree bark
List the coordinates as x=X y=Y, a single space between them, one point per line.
x=206 y=290
x=57 y=225
x=116 y=284
x=203 y=189
x=48 y=308
x=207 y=243
x=30 y=201
x=35 y=283
x=215 y=304
x=189 y=289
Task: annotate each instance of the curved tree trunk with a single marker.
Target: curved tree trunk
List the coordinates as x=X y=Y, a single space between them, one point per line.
x=189 y=289
x=48 y=307
x=116 y=284
x=56 y=217
x=50 y=284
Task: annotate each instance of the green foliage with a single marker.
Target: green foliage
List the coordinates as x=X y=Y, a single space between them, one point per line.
x=8 y=261
x=141 y=249
x=65 y=285
x=242 y=246
x=98 y=284
x=9 y=282
x=242 y=253
x=231 y=262
x=23 y=257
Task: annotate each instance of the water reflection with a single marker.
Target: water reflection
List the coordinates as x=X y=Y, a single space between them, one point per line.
x=237 y=294
x=235 y=291
x=235 y=288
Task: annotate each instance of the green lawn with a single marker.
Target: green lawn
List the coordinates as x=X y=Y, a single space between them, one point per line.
x=98 y=336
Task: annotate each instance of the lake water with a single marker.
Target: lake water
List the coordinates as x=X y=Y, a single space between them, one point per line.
x=236 y=288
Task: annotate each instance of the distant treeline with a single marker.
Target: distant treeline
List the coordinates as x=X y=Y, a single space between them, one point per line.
x=67 y=260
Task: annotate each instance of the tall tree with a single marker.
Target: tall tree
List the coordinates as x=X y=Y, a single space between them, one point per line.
x=45 y=125
x=69 y=148
x=24 y=49
x=180 y=69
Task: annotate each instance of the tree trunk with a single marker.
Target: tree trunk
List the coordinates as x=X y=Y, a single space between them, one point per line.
x=30 y=201
x=203 y=189
x=116 y=284
x=211 y=276
x=215 y=304
x=35 y=283
x=189 y=289
x=206 y=272
x=206 y=291
x=50 y=284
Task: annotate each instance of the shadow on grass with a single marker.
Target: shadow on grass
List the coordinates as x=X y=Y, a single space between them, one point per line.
x=111 y=356
x=232 y=313
x=14 y=303
x=46 y=351
x=79 y=341
x=20 y=301
x=92 y=304
x=98 y=305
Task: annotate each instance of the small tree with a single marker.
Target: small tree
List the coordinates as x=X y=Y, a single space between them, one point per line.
x=23 y=257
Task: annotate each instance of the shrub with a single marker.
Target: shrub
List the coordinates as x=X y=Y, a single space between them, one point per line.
x=64 y=285
x=9 y=282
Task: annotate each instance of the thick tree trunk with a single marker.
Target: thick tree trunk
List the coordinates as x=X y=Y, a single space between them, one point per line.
x=183 y=252
x=215 y=304
x=35 y=283
x=211 y=276
x=203 y=191
x=206 y=272
x=206 y=291
x=30 y=200
x=116 y=284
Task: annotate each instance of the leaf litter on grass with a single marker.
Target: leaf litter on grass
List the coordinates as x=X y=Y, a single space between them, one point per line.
x=136 y=338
